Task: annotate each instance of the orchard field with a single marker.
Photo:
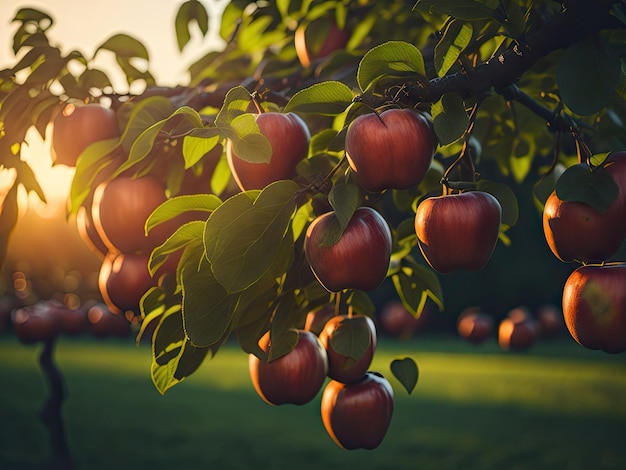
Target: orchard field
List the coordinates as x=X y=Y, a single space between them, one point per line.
x=557 y=406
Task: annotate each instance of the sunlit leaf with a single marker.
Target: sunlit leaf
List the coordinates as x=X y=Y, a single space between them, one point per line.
x=393 y=58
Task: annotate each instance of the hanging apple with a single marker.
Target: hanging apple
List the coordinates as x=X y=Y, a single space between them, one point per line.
x=344 y=368
x=594 y=306
x=458 y=231
x=318 y=39
x=294 y=378
x=357 y=415
x=474 y=325
x=289 y=138
x=359 y=260
x=78 y=126
x=390 y=150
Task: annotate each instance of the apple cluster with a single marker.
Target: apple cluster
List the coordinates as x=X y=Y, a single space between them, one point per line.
x=45 y=320
x=356 y=403
x=594 y=295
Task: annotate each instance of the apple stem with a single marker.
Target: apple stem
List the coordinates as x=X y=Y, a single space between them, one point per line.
x=337 y=303
x=50 y=413
x=255 y=100
x=582 y=149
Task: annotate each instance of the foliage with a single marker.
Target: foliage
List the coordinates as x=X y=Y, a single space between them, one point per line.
x=513 y=87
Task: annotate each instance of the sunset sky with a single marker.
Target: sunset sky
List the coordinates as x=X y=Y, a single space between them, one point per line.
x=83 y=25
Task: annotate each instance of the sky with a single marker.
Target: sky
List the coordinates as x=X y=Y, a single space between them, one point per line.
x=85 y=24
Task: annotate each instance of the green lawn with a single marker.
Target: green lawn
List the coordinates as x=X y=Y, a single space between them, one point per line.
x=555 y=407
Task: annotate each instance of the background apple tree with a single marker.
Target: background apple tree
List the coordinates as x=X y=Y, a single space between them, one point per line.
x=509 y=91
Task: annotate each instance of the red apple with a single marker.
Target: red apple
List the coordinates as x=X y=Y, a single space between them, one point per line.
x=35 y=323
x=594 y=306
x=550 y=320
x=289 y=137
x=88 y=233
x=458 y=231
x=359 y=260
x=475 y=325
x=398 y=322
x=77 y=127
x=318 y=39
x=103 y=323
x=357 y=415
x=316 y=319
x=71 y=321
x=575 y=231
x=393 y=149
x=343 y=368
x=516 y=332
x=123 y=279
x=294 y=378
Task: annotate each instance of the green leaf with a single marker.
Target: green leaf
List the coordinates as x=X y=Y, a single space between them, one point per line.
x=284 y=335
x=245 y=245
x=587 y=74
x=449 y=118
x=167 y=341
x=28 y=15
x=327 y=98
x=361 y=303
x=236 y=102
x=455 y=39
x=467 y=10
x=124 y=46
x=415 y=283
x=394 y=59
x=344 y=197
x=8 y=219
x=595 y=188
x=143 y=115
x=191 y=10
x=183 y=236
x=248 y=142
x=352 y=337
x=207 y=307
x=198 y=143
x=505 y=196
x=180 y=204
x=406 y=371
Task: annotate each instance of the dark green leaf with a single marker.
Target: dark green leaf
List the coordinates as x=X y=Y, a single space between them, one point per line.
x=361 y=303
x=467 y=10
x=191 y=10
x=124 y=46
x=326 y=98
x=449 y=118
x=344 y=197
x=595 y=188
x=505 y=196
x=455 y=39
x=415 y=283
x=352 y=337
x=183 y=236
x=393 y=58
x=587 y=74
x=406 y=371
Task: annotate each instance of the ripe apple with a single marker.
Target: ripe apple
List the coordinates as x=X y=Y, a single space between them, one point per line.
x=77 y=127
x=103 y=323
x=88 y=233
x=594 y=306
x=71 y=321
x=550 y=320
x=294 y=378
x=123 y=279
x=357 y=415
x=577 y=232
x=342 y=368
x=398 y=322
x=475 y=325
x=35 y=323
x=359 y=260
x=393 y=149
x=289 y=137
x=517 y=331
x=458 y=231
x=316 y=319
x=318 y=39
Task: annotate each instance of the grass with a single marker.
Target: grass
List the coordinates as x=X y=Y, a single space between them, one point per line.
x=558 y=406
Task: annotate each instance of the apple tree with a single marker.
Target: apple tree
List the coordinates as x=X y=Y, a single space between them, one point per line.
x=327 y=146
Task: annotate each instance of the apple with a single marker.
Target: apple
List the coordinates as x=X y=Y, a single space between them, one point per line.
x=475 y=325
x=594 y=306
x=78 y=126
x=294 y=378
x=393 y=149
x=289 y=138
x=123 y=279
x=357 y=415
x=550 y=320
x=318 y=39
x=342 y=368
x=516 y=332
x=35 y=323
x=359 y=260
x=316 y=319
x=103 y=323
x=88 y=233
x=575 y=231
x=398 y=322
x=458 y=231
